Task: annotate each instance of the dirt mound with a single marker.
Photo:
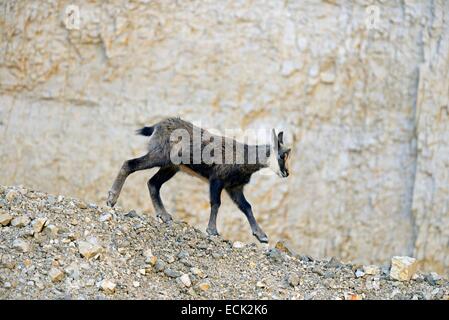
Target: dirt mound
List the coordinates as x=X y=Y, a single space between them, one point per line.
x=55 y=247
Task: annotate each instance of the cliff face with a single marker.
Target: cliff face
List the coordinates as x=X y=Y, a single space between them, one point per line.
x=366 y=111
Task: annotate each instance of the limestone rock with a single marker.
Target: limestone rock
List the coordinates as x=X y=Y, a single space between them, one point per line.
x=403 y=268
x=293 y=279
x=5 y=219
x=172 y=273
x=185 y=279
x=203 y=286
x=105 y=217
x=39 y=224
x=56 y=274
x=238 y=245
x=198 y=272
x=21 y=245
x=21 y=221
x=108 y=286
x=371 y=270
x=88 y=249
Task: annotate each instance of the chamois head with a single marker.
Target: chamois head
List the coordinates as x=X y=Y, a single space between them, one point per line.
x=279 y=155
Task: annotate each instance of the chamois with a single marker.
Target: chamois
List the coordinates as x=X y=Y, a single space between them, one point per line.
x=231 y=175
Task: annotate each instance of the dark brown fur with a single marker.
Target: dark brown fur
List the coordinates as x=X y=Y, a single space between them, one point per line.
x=231 y=177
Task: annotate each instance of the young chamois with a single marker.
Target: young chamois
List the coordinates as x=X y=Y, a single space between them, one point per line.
x=230 y=169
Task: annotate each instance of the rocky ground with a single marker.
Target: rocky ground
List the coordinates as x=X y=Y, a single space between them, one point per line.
x=55 y=247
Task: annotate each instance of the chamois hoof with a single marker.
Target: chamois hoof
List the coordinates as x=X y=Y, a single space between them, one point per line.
x=112 y=199
x=165 y=217
x=263 y=238
x=212 y=232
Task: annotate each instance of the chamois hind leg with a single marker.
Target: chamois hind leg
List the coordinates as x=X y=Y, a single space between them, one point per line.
x=215 y=188
x=154 y=186
x=127 y=168
x=239 y=199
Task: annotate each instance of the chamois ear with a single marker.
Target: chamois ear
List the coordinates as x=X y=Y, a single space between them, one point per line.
x=281 y=137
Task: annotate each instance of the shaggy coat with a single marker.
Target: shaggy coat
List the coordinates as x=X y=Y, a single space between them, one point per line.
x=229 y=166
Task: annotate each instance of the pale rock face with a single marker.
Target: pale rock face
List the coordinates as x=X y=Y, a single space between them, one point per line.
x=403 y=268
x=365 y=111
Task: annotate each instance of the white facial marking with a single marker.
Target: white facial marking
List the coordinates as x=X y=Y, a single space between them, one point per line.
x=273 y=162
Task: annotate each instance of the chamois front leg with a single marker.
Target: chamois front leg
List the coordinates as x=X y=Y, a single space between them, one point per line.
x=127 y=168
x=239 y=199
x=215 y=188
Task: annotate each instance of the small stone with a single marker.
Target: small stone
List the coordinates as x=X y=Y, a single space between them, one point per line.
x=198 y=272
x=260 y=284
x=73 y=270
x=282 y=247
x=403 y=268
x=217 y=255
x=7 y=285
x=159 y=265
x=56 y=274
x=371 y=270
x=238 y=245
x=105 y=217
x=275 y=255
x=12 y=195
x=147 y=253
x=107 y=286
x=185 y=279
x=432 y=278
x=21 y=245
x=204 y=286
x=352 y=296
x=359 y=273
x=142 y=271
x=5 y=219
x=82 y=205
x=39 y=224
x=21 y=221
x=54 y=230
x=183 y=254
x=172 y=273
x=131 y=214
x=334 y=263
x=170 y=259
x=186 y=262
x=88 y=249
x=151 y=260
x=305 y=258
x=293 y=279
x=136 y=284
